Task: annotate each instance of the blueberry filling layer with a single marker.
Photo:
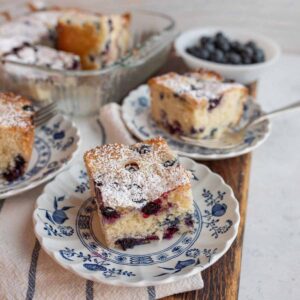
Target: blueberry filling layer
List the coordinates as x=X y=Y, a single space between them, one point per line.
x=16 y=171
x=169 y=232
x=128 y=243
x=151 y=208
x=188 y=220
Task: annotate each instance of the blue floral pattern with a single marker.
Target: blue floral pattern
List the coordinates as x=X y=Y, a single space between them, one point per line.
x=58 y=217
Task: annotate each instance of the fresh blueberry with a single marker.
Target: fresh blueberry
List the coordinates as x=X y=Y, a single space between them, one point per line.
x=259 y=56
x=223 y=45
x=203 y=53
x=247 y=51
x=217 y=56
x=234 y=58
x=246 y=60
x=252 y=45
x=205 y=40
x=220 y=35
x=236 y=46
x=210 y=47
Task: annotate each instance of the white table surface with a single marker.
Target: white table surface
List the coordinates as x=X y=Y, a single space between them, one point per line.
x=271 y=253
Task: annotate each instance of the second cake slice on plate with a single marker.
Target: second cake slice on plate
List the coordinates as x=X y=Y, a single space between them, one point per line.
x=142 y=192
x=197 y=105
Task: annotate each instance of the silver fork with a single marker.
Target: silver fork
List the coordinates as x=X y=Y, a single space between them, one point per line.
x=45 y=113
x=231 y=139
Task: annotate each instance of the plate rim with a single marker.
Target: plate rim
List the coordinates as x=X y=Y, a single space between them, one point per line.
x=194 y=155
x=35 y=183
x=143 y=282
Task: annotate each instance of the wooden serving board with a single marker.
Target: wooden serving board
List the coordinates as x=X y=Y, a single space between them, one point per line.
x=221 y=281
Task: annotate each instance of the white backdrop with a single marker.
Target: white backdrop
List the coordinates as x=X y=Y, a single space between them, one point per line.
x=280 y=19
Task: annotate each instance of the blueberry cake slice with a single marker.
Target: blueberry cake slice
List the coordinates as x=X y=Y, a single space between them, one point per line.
x=44 y=56
x=197 y=104
x=98 y=40
x=16 y=135
x=142 y=192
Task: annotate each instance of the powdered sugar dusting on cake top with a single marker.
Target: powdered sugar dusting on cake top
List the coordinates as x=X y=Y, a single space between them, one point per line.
x=15 y=111
x=44 y=56
x=192 y=86
x=131 y=176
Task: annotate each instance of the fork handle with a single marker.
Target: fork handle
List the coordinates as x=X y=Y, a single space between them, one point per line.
x=277 y=111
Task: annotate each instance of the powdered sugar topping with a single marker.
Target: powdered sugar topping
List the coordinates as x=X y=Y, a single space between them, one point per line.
x=196 y=89
x=12 y=113
x=132 y=176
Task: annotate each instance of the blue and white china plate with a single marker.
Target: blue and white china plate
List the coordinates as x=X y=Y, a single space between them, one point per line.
x=67 y=226
x=137 y=118
x=55 y=144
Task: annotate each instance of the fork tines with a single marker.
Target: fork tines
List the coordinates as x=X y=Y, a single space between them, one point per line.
x=45 y=113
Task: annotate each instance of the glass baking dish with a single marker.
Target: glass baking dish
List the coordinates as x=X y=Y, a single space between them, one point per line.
x=84 y=92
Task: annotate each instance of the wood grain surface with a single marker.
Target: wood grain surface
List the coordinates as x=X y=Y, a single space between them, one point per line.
x=221 y=281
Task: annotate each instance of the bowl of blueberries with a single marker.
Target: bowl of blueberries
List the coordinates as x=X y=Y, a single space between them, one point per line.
x=236 y=54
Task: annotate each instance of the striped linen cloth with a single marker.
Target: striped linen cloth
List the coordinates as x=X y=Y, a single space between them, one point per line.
x=27 y=272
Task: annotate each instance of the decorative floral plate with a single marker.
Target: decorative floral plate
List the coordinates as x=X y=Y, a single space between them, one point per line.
x=136 y=115
x=67 y=226
x=55 y=145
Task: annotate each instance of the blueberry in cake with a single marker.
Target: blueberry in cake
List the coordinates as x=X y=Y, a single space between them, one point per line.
x=16 y=135
x=43 y=56
x=197 y=104
x=142 y=192
x=99 y=40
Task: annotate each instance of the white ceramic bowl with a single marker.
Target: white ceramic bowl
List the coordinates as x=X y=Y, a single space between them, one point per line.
x=240 y=73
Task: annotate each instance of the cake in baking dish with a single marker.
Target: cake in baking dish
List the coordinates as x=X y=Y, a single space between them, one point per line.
x=142 y=192
x=99 y=40
x=196 y=104
x=43 y=56
x=16 y=135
